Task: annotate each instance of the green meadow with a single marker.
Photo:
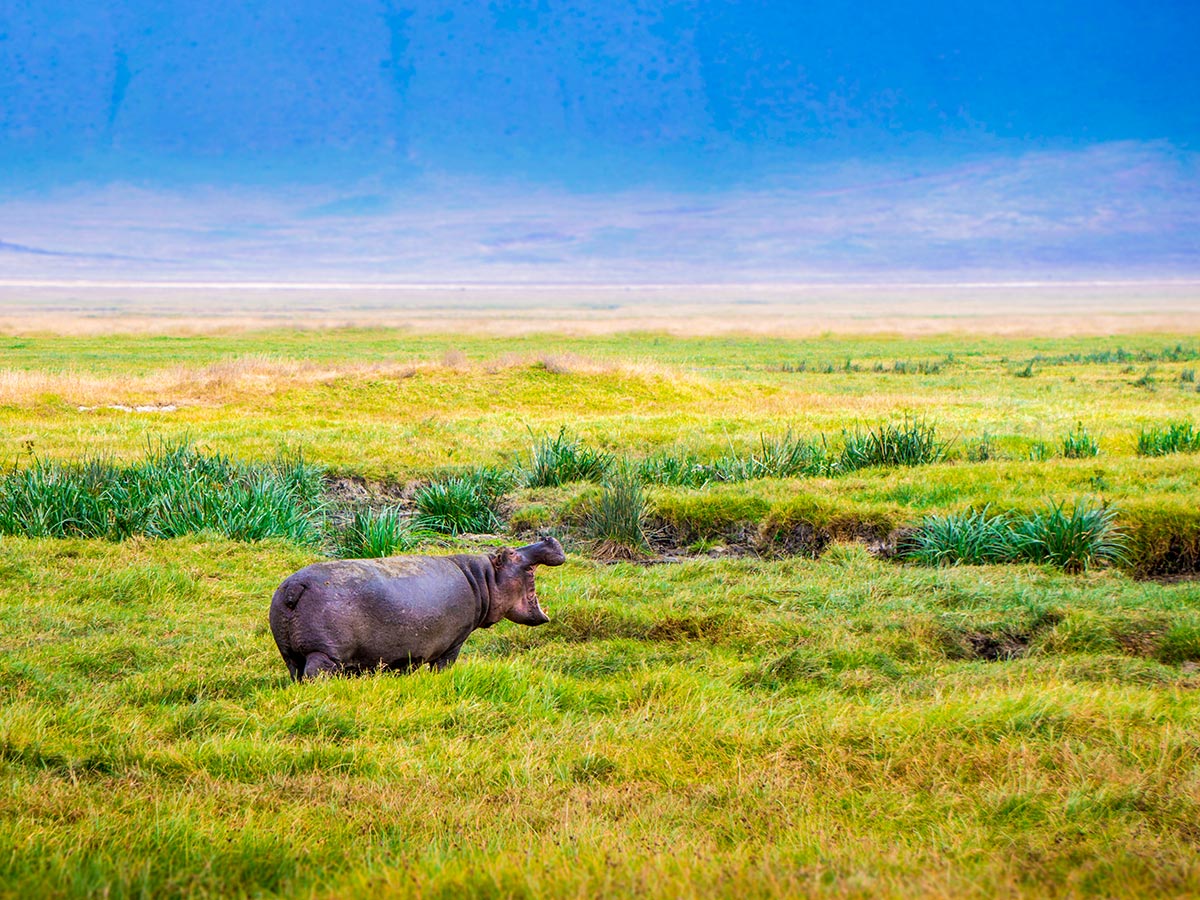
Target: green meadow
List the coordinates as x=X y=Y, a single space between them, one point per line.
x=842 y=616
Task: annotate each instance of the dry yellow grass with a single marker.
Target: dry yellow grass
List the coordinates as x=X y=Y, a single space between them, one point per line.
x=264 y=375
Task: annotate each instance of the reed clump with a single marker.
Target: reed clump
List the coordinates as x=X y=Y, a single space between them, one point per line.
x=1074 y=539
x=175 y=490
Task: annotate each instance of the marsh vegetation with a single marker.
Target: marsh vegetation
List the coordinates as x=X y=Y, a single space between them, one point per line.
x=907 y=627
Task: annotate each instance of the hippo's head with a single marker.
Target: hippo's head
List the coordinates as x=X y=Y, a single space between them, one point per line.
x=517 y=598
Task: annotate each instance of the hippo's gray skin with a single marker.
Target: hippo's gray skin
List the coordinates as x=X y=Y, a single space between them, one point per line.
x=357 y=615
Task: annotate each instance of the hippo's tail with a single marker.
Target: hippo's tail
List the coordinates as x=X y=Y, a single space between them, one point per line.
x=283 y=623
x=289 y=593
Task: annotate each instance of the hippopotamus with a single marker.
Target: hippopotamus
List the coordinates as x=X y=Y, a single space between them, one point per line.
x=401 y=612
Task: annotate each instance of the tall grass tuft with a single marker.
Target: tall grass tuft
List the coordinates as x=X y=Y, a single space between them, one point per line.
x=175 y=490
x=1074 y=539
x=1176 y=437
x=789 y=456
x=972 y=538
x=562 y=459
x=786 y=456
x=911 y=443
x=982 y=450
x=386 y=532
x=1078 y=444
x=677 y=471
x=462 y=504
x=616 y=521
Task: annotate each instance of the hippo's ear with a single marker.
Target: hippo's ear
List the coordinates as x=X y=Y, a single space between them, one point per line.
x=506 y=556
x=546 y=552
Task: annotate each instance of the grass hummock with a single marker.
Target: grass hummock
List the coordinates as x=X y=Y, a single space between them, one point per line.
x=913 y=442
x=1078 y=444
x=972 y=538
x=376 y=533
x=1073 y=539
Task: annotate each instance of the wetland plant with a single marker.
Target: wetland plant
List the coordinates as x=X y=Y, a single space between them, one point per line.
x=676 y=471
x=1147 y=380
x=459 y=504
x=1073 y=539
x=175 y=490
x=786 y=456
x=1175 y=437
x=911 y=443
x=971 y=538
x=385 y=532
x=1078 y=444
x=616 y=521
x=789 y=456
x=982 y=450
x=562 y=459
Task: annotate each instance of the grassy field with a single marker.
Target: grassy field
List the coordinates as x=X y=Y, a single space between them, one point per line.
x=768 y=699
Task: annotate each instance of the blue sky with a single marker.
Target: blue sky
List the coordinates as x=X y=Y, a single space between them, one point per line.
x=1080 y=120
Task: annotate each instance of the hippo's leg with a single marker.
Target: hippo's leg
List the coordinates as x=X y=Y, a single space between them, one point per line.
x=316 y=663
x=446 y=659
x=295 y=664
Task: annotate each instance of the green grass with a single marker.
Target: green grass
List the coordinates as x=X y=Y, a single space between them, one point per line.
x=1078 y=444
x=972 y=538
x=1176 y=437
x=376 y=533
x=174 y=490
x=615 y=519
x=1076 y=539
x=404 y=415
x=842 y=726
x=790 y=714
x=562 y=459
x=783 y=456
x=911 y=443
x=460 y=504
